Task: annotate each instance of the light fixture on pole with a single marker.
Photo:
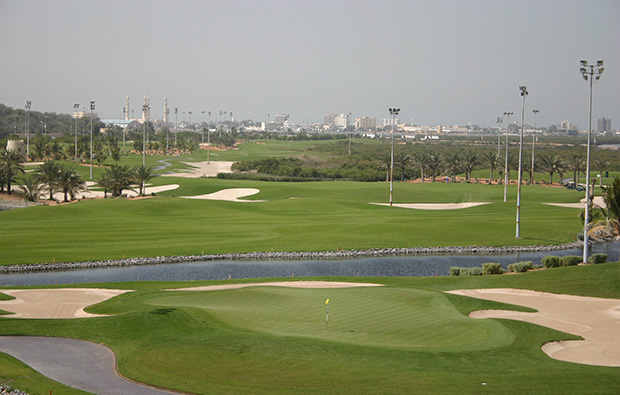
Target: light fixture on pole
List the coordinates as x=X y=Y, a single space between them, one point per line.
x=76 y=107
x=27 y=127
x=394 y=112
x=533 y=148
x=507 y=115
x=92 y=108
x=523 y=90
x=590 y=73
x=145 y=109
x=125 y=128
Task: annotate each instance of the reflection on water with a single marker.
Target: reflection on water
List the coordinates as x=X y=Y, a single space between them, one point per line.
x=417 y=266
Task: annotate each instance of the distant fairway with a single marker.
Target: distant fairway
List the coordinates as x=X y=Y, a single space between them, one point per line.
x=392 y=317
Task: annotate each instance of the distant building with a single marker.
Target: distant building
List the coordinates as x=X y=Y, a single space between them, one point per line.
x=603 y=125
x=342 y=121
x=365 y=123
x=567 y=125
x=281 y=119
x=390 y=121
x=16 y=146
x=330 y=119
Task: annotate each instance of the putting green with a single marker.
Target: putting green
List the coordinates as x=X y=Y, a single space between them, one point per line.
x=386 y=317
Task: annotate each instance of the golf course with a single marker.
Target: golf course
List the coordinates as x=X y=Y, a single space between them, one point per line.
x=312 y=335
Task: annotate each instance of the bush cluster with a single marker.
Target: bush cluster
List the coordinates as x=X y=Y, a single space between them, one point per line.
x=520 y=267
x=570 y=260
x=597 y=258
x=492 y=268
x=551 y=261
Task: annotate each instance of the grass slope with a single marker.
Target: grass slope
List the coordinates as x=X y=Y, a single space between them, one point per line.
x=268 y=340
x=295 y=217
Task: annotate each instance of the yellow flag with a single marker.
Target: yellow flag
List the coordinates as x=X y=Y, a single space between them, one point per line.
x=327 y=301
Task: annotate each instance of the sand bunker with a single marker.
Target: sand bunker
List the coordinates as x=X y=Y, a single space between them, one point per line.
x=71 y=302
x=435 y=206
x=55 y=303
x=203 y=169
x=89 y=193
x=290 y=284
x=598 y=201
x=229 y=195
x=597 y=320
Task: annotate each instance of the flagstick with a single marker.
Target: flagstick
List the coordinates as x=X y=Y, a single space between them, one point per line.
x=327 y=318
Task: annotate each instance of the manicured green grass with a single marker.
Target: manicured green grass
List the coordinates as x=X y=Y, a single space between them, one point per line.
x=295 y=217
x=408 y=337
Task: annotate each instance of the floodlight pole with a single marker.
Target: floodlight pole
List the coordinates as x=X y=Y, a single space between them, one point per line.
x=92 y=108
x=27 y=127
x=507 y=114
x=76 y=107
x=145 y=109
x=591 y=72
x=394 y=112
x=520 y=176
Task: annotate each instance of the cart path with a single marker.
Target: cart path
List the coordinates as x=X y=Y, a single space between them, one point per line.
x=79 y=364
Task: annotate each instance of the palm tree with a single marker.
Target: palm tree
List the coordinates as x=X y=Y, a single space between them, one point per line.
x=121 y=178
x=105 y=182
x=452 y=161
x=422 y=158
x=551 y=164
x=69 y=182
x=386 y=162
x=402 y=160
x=434 y=163
x=10 y=166
x=31 y=189
x=611 y=195
x=577 y=164
x=470 y=161
x=47 y=174
x=600 y=164
x=141 y=174
x=492 y=160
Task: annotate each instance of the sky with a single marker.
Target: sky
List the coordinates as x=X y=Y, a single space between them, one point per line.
x=440 y=61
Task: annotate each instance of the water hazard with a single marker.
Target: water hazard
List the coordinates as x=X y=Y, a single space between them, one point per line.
x=416 y=266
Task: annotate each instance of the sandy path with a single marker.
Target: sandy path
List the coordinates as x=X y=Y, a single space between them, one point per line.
x=290 y=284
x=229 y=195
x=597 y=320
x=434 y=206
x=204 y=169
x=55 y=303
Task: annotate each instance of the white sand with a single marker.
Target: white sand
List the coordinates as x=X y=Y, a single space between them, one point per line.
x=598 y=201
x=71 y=302
x=434 y=206
x=55 y=303
x=89 y=193
x=203 y=169
x=597 y=320
x=290 y=284
x=229 y=195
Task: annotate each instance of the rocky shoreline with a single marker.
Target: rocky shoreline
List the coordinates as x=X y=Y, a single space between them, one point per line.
x=266 y=256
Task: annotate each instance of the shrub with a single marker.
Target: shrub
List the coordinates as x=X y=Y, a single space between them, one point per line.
x=520 y=267
x=597 y=258
x=492 y=268
x=471 y=271
x=570 y=260
x=551 y=261
x=455 y=271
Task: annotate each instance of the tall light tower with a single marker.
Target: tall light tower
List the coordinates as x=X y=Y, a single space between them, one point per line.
x=92 y=108
x=523 y=90
x=176 y=113
x=27 y=127
x=590 y=73
x=533 y=147
x=145 y=109
x=76 y=107
x=507 y=115
x=394 y=112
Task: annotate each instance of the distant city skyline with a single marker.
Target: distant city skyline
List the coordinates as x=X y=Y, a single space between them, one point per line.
x=442 y=62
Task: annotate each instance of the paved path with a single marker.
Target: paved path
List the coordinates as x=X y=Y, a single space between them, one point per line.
x=80 y=364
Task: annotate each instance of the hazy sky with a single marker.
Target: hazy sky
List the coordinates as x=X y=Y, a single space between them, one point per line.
x=441 y=61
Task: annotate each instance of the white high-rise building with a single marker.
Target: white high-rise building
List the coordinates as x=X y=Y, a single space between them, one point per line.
x=342 y=121
x=166 y=111
x=365 y=123
x=603 y=125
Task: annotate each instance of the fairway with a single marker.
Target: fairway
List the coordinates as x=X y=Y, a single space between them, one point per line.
x=387 y=317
